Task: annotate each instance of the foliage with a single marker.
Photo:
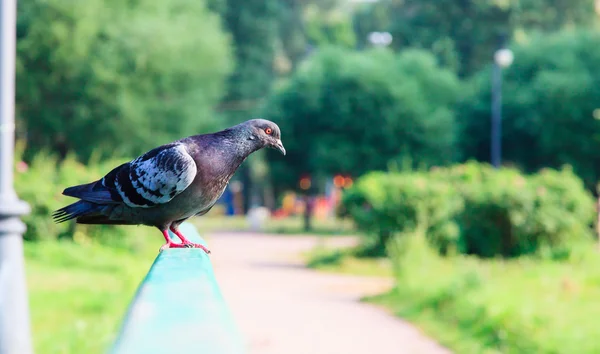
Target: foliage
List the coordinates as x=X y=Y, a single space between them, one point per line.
x=353 y=112
x=382 y=204
x=509 y=214
x=329 y=25
x=304 y=25
x=464 y=34
x=252 y=25
x=550 y=98
x=114 y=76
x=41 y=183
x=292 y=41
x=496 y=306
x=474 y=209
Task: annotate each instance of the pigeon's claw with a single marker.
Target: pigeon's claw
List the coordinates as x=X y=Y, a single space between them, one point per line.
x=185 y=243
x=172 y=244
x=197 y=245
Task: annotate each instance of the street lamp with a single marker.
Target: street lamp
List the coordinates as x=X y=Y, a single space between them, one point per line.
x=14 y=313
x=503 y=58
x=380 y=39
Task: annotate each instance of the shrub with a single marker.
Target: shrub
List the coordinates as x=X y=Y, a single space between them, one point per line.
x=475 y=209
x=41 y=183
x=382 y=204
x=565 y=210
x=510 y=214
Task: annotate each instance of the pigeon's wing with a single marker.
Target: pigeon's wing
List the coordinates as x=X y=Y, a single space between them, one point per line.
x=153 y=178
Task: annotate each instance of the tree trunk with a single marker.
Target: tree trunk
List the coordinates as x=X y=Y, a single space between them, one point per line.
x=308 y=208
x=598 y=221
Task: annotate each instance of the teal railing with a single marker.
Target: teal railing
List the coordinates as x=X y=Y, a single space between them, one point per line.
x=179 y=309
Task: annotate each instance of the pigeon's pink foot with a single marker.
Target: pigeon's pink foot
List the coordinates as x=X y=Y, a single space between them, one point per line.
x=171 y=244
x=185 y=243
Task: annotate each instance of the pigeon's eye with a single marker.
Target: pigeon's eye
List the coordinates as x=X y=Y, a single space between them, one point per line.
x=269 y=131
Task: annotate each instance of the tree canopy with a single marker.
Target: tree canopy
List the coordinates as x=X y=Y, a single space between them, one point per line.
x=105 y=76
x=347 y=112
x=464 y=34
x=551 y=97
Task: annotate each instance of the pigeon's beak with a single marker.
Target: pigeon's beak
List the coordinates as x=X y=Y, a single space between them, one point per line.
x=279 y=146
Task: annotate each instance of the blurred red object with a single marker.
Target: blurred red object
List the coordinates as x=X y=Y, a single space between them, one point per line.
x=22 y=166
x=279 y=214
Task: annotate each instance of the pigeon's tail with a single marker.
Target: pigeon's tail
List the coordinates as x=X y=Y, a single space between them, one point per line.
x=93 y=192
x=76 y=210
x=76 y=191
x=102 y=219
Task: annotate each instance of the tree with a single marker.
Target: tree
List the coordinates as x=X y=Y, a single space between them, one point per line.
x=113 y=77
x=252 y=25
x=551 y=98
x=329 y=23
x=292 y=39
x=464 y=34
x=348 y=112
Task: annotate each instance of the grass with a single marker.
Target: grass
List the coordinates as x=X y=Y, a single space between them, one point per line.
x=528 y=306
x=478 y=306
x=289 y=225
x=347 y=261
x=78 y=294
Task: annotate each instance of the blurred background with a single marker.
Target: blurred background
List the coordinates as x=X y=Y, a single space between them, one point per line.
x=457 y=141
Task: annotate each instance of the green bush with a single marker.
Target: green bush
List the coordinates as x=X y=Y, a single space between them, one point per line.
x=382 y=204
x=510 y=214
x=41 y=183
x=475 y=209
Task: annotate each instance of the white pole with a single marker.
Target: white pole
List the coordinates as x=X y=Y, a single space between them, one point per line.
x=15 y=335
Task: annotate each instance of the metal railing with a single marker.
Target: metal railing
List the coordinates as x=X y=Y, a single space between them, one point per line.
x=179 y=309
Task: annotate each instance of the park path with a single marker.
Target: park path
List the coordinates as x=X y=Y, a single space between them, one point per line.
x=283 y=308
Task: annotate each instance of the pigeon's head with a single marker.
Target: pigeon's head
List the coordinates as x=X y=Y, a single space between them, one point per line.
x=264 y=133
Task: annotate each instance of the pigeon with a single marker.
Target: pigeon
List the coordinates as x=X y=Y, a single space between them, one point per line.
x=171 y=183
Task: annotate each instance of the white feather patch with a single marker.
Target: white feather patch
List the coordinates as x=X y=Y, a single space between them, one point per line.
x=161 y=177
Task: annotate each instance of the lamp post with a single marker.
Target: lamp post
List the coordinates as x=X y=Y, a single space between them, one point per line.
x=14 y=314
x=380 y=39
x=503 y=58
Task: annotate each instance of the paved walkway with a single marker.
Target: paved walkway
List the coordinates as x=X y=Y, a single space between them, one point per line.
x=284 y=308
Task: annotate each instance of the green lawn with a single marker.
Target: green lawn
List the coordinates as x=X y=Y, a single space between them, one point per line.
x=347 y=261
x=78 y=294
x=489 y=306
